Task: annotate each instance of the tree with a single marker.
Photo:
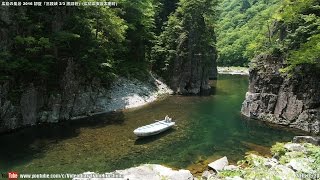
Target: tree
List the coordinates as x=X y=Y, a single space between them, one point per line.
x=188 y=35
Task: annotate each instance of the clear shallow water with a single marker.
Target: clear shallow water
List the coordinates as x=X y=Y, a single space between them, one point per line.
x=208 y=128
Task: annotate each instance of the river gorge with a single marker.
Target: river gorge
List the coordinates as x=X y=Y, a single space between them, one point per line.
x=208 y=127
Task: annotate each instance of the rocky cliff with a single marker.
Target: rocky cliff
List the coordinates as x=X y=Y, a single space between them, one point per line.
x=76 y=98
x=191 y=75
x=194 y=64
x=287 y=99
x=185 y=54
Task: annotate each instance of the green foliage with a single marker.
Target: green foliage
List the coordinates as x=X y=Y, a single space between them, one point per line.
x=138 y=70
x=193 y=21
x=287 y=28
x=230 y=173
x=155 y=34
x=257 y=167
x=285 y=158
x=44 y=39
x=303 y=22
x=278 y=149
x=302 y=25
x=308 y=53
x=291 y=9
x=314 y=152
x=140 y=19
x=163 y=9
x=242 y=27
x=254 y=160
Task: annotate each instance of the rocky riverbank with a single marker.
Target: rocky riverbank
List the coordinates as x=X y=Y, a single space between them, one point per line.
x=233 y=70
x=293 y=160
x=76 y=99
x=289 y=99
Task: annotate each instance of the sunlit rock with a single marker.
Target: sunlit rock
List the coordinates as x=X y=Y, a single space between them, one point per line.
x=294 y=147
x=219 y=164
x=149 y=172
x=287 y=99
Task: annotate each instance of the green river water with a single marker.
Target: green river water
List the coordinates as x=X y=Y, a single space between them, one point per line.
x=207 y=128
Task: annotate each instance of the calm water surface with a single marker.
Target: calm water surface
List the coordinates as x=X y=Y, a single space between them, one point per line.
x=207 y=128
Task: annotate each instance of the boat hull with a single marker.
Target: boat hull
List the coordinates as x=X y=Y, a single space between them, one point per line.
x=153 y=129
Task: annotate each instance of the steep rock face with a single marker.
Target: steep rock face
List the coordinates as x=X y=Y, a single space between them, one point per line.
x=76 y=98
x=185 y=52
x=195 y=61
x=36 y=105
x=191 y=77
x=290 y=100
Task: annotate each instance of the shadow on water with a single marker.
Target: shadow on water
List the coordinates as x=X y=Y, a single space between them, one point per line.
x=29 y=143
x=149 y=139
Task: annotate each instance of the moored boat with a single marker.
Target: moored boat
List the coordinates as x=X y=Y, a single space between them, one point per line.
x=154 y=128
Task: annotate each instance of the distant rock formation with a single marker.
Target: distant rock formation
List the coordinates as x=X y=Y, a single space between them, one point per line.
x=191 y=73
x=185 y=53
x=291 y=100
x=191 y=76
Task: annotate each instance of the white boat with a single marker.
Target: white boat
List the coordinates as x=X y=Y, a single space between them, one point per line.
x=154 y=128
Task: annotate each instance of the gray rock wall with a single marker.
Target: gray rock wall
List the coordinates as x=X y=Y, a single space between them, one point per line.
x=77 y=98
x=192 y=71
x=291 y=100
x=38 y=106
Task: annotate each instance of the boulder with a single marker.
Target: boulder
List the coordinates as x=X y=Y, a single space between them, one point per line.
x=219 y=164
x=149 y=172
x=282 y=172
x=271 y=162
x=231 y=168
x=301 y=165
x=307 y=139
x=295 y=147
x=207 y=175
